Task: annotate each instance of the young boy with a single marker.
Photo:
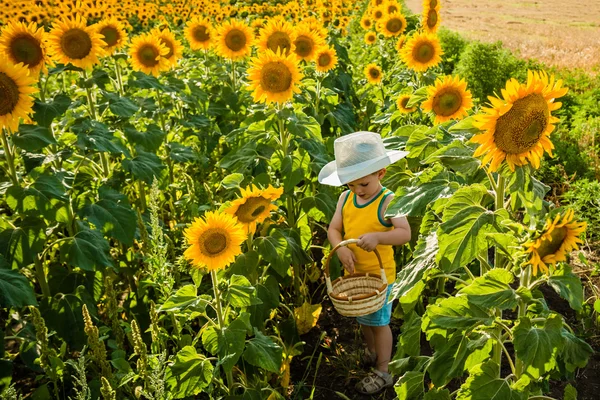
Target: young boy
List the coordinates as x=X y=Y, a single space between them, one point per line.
x=360 y=161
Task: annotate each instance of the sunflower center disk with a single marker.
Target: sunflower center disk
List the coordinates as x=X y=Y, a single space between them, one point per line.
x=520 y=129
x=168 y=45
x=304 y=46
x=276 y=77
x=447 y=103
x=394 y=25
x=201 y=34
x=147 y=56
x=76 y=44
x=374 y=73
x=251 y=209
x=9 y=94
x=279 y=40
x=423 y=53
x=324 y=60
x=111 y=35
x=235 y=40
x=551 y=246
x=26 y=49
x=214 y=243
x=433 y=3
x=432 y=18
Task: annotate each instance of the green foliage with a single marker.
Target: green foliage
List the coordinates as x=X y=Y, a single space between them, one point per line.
x=584 y=197
x=487 y=67
x=453 y=44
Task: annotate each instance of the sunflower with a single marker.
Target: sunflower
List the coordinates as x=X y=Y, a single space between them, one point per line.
x=72 y=41
x=16 y=85
x=174 y=47
x=325 y=58
x=517 y=127
x=278 y=34
x=366 y=22
x=254 y=206
x=392 y=25
x=307 y=42
x=24 y=44
x=370 y=38
x=147 y=55
x=113 y=33
x=199 y=33
x=377 y=13
x=234 y=40
x=431 y=19
x=401 y=103
x=214 y=240
x=274 y=77
x=422 y=51
x=448 y=98
x=558 y=238
x=400 y=43
x=373 y=73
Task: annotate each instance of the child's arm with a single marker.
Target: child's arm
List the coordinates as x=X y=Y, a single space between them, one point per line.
x=335 y=236
x=397 y=236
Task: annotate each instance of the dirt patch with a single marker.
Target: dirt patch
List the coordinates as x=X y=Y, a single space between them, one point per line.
x=565 y=34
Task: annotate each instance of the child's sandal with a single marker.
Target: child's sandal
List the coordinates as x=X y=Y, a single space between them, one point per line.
x=375 y=382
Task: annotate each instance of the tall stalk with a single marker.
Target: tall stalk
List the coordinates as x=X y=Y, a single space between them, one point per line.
x=92 y=108
x=525 y=280
x=498 y=263
x=220 y=317
x=10 y=160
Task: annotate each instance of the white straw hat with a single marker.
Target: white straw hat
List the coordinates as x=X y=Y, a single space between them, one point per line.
x=357 y=155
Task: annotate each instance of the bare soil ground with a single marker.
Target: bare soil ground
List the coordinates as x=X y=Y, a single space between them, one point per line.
x=565 y=34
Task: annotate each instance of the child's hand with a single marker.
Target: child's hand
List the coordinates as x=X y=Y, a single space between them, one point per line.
x=347 y=258
x=368 y=241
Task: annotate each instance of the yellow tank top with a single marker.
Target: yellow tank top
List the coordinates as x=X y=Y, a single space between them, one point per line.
x=360 y=219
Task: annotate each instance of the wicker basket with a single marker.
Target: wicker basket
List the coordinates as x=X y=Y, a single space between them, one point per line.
x=356 y=294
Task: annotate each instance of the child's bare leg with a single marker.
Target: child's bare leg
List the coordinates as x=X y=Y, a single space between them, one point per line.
x=382 y=336
x=369 y=338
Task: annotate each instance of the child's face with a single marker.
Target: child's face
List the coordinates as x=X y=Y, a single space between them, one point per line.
x=368 y=186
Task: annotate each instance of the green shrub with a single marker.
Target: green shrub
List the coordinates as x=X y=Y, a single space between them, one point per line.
x=487 y=67
x=453 y=45
x=584 y=197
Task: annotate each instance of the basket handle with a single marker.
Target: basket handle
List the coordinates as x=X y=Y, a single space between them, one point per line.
x=332 y=252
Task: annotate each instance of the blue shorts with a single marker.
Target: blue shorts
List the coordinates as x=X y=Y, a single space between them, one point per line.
x=380 y=317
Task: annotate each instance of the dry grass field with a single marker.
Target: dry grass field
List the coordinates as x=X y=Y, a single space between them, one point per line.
x=563 y=33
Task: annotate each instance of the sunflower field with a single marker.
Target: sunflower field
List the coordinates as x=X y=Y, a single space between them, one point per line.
x=163 y=232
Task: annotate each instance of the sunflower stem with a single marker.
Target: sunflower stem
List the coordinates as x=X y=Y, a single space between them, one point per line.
x=92 y=107
x=9 y=155
x=220 y=319
x=41 y=276
x=142 y=190
x=233 y=79
x=318 y=94
x=498 y=263
x=42 y=91
x=524 y=281
x=119 y=78
x=491 y=179
x=161 y=117
x=499 y=204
